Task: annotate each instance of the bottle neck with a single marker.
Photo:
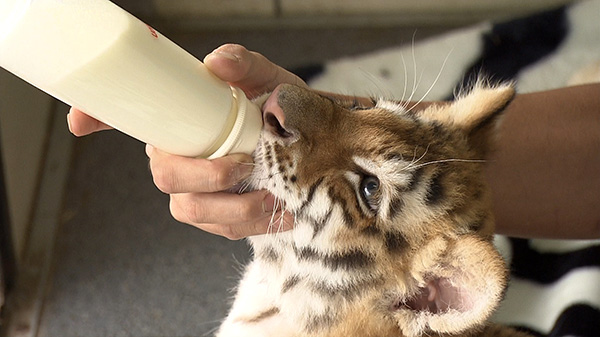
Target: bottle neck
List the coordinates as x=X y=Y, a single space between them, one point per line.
x=245 y=129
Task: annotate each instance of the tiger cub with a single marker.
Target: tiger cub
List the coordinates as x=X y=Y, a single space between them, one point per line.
x=393 y=228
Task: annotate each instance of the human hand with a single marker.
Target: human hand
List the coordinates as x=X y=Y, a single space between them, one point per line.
x=198 y=195
x=196 y=186
x=81 y=124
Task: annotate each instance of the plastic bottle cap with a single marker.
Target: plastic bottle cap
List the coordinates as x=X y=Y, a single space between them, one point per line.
x=246 y=130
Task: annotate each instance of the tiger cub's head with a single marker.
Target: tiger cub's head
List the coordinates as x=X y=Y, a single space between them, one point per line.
x=394 y=196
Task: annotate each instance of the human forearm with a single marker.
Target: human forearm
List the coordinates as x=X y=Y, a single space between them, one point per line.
x=545 y=174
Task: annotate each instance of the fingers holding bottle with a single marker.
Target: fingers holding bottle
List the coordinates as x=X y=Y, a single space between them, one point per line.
x=250 y=71
x=178 y=174
x=231 y=215
x=197 y=189
x=81 y=124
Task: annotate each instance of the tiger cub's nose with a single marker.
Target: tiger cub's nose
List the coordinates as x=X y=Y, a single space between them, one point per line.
x=274 y=115
x=292 y=113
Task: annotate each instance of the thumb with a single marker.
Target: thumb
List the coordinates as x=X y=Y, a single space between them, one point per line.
x=249 y=71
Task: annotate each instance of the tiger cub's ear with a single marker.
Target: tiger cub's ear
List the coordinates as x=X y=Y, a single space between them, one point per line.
x=475 y=112
x=480 y=106
x=459 y=289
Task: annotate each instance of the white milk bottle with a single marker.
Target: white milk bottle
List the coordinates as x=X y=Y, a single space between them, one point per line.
x=93 y=55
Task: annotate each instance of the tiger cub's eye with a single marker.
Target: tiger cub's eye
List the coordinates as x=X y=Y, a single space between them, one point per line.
x=369 y=187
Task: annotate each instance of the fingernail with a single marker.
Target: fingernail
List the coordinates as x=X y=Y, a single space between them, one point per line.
x=69 y=122
x=241 y=172
x=243 y=167
x=288 y=222
x=224 y=54
x=270 y=203
x=149 y=150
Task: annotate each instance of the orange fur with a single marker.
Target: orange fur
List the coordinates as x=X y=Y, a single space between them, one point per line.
x=393 y=222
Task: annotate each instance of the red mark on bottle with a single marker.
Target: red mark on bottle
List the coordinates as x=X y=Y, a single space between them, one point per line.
x=153 y=32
